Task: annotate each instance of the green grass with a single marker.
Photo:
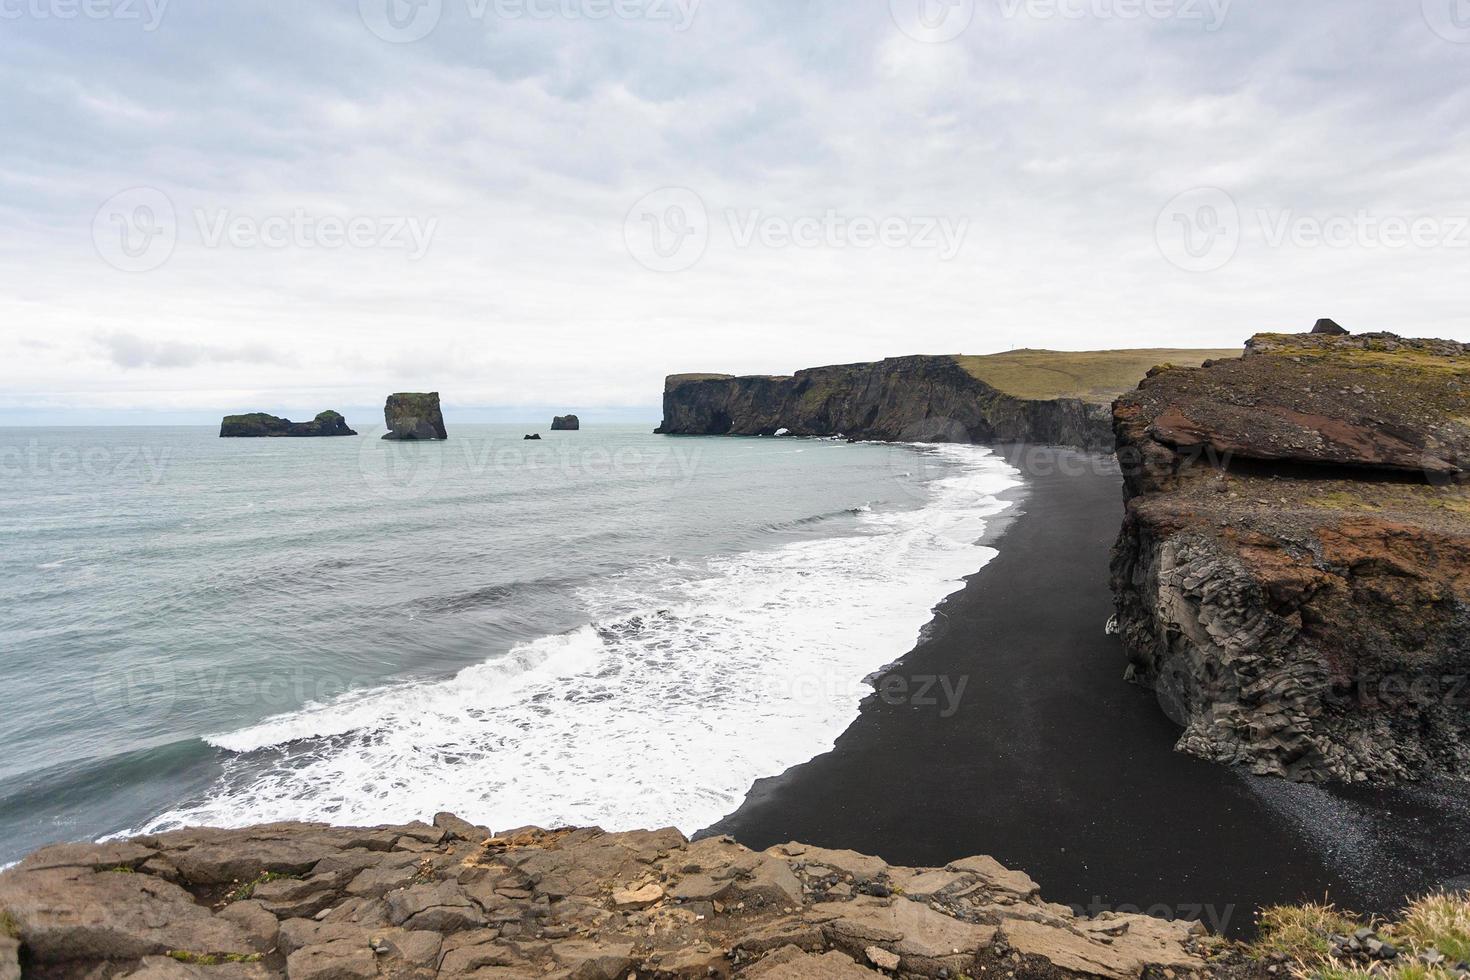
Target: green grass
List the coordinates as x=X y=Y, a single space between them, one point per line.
x=212 y=959
x=1301 y=934
x=8 y=926
x=248 y=889
x=1092 y=376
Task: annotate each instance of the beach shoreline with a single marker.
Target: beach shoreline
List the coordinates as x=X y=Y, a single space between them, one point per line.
x=1050 y=761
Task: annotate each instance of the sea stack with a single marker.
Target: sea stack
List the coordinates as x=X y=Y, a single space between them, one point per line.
x=414 y=416
x=566 y=423
x=259 y=425
x=1293 y=575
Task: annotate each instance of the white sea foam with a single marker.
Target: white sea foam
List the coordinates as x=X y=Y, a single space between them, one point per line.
x=693 y=681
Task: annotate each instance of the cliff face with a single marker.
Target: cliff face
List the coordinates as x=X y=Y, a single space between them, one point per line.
x=414 y=415
x=452 y=900
x=260 y=425
x=918 y=399
x=1293 y=573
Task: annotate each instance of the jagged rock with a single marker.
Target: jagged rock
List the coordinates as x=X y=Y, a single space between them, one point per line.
x=565 y=904
x=1329 y=327
x=566 y=423
x=260 y=425
x=911 y=399
x=1293 y=574
x=414 y=416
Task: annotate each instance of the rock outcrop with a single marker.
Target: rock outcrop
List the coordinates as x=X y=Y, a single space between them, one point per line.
x=258 y=425
x=1293 y=573
x=566 y=423
x=1046 y=397
x=912 y=399
x=1330 y=327
x=411 y=416
x=312 y=902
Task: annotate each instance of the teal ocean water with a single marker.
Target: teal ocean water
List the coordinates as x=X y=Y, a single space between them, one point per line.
x=604 y=627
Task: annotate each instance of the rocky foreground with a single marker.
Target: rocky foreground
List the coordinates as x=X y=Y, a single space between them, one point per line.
x=1293 y=574
x=313 y=902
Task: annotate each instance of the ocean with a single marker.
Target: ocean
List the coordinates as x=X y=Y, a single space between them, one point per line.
x=604 y=627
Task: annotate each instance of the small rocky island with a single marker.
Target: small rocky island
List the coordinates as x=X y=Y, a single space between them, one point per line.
x=312 y=902
x=259 y=425
x=566 y=423
x=1293 y=573
x=413 y=416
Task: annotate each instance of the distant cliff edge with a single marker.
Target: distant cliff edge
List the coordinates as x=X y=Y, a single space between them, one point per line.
x=1057 y=398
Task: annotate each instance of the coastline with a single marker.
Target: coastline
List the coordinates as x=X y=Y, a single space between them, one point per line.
x=1054 y=764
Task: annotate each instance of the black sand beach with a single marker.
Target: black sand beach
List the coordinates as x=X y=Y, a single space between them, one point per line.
x=1055 y=765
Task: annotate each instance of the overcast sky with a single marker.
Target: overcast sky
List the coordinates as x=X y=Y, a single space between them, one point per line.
x=531 y=204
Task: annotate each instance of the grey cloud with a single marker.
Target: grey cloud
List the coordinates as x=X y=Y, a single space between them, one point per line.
x=127 y=350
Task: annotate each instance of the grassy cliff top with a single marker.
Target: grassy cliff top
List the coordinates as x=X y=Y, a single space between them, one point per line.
x=1093 y=376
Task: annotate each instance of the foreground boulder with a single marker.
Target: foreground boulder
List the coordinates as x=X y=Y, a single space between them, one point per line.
x=1293 y=574
x=453 y=900
x=258 y=425
x=566 y=423
x=414 y=416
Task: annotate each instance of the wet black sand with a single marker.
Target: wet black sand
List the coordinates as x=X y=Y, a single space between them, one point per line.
x=1055 y=765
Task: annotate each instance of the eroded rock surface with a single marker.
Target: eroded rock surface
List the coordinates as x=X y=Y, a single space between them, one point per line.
x=414 y=416
x=1293 y=574
x=916 y=399
x=312 y=902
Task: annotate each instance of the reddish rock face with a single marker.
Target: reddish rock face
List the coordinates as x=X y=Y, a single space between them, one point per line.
x=1293 y=574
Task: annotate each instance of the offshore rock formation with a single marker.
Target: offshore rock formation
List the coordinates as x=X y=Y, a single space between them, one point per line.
x=566 y=423
x=258 y=425
x=1293 y=573
x=914 y=399
x=312 y=902
x=413 y=416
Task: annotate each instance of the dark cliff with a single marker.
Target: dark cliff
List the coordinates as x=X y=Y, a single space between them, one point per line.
x=918 y=399
x=1293 y=574
x=413 y=416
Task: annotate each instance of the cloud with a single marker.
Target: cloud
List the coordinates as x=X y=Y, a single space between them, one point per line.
x=1059 y=138
x=128 y=350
